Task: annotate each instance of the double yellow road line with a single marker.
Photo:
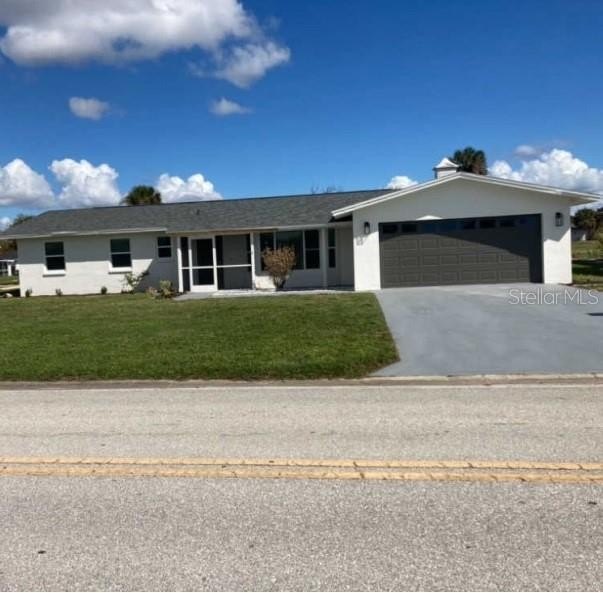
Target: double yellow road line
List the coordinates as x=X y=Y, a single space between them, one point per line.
x=308 y=469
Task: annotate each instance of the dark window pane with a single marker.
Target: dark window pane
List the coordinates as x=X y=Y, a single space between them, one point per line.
x=332 y=258
x=219 y=250
x=186 y=281
x=487 y=223
x=311 y=239
x=294 y=240
x=54 y=248
x=55 y=263
x=331 y=237
x=164 y=252
x=312 y=259
x=266 y=241
x=390 y=229
x=409 y=227
x=120 y=245
x=468 y=225
x=203 y=277
x=121 y=260
x=164 y=241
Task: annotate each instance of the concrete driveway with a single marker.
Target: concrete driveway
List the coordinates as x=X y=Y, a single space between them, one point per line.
x=515 y=328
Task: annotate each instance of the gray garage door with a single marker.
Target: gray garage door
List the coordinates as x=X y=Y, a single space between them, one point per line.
x=461 y=251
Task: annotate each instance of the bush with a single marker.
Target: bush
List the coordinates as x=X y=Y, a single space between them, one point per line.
x=58 y=292
x=103 y=290
x=132 y=281
x=28 y=293
x=165 y=290
x=279 y=263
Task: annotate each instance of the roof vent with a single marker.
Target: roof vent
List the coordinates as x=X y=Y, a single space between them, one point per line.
x=445 y=167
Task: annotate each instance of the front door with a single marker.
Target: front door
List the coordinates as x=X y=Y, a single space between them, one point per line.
x=198 y=264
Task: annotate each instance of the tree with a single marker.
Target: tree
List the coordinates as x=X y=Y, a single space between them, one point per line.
x=141 y=195
x=587 y=219
x=471 y=160
x=11 y=244
x=279 y=262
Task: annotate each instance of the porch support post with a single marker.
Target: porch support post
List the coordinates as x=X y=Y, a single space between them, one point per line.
x=179 y=251
x=324 y=257
x=252 y=256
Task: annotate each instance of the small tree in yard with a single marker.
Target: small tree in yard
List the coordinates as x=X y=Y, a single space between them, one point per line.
x=131 y=281
x=279 y=262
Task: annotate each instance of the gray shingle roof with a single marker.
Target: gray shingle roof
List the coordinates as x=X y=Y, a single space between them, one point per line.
x=250 y=213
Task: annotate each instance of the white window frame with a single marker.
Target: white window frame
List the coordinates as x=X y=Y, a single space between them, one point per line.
x=112 y=253
x=160 y=247
x=59 y=272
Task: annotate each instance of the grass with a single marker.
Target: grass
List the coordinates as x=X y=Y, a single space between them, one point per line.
x=587 y=250
x=135 y=337
x=587 y=265
x=8 y=280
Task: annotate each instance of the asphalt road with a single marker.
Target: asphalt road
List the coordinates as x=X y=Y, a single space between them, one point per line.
x=196 y=534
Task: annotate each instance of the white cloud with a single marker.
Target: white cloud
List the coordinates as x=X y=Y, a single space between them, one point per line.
x=85 y=185
x=527 y=150
x=243 y=65
x=559 y=168
x=117 y=31
x=88 y=108
x=226 y=107
x=400 y=182
x=20 y=185
x=5 y=222
x=176 y=189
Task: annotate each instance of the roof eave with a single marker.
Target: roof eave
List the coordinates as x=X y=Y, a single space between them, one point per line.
x=59 y=234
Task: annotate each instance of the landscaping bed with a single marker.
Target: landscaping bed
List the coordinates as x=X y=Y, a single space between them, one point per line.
x=136 y=337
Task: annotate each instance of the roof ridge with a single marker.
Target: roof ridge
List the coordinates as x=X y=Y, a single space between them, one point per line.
x=221 y=201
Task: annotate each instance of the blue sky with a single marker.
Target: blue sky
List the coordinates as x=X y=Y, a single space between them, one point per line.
x=359 y=92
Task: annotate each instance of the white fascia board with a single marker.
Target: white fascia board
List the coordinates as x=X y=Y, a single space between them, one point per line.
x=84 y=233
x=574 y=197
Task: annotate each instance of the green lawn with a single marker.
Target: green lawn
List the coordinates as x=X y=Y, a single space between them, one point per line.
x=588 y=264
x=136 y=337
x=587 y=250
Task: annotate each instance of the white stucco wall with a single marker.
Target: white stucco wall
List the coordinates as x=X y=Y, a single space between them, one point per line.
x=88 y=264
x=464 y=199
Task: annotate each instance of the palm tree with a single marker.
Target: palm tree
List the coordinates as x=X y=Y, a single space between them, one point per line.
x=142 y=195
x=471 y=160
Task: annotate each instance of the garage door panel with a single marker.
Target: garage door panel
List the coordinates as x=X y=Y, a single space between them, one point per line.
x=463 y=251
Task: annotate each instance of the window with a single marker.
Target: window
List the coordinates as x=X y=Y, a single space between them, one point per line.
x=55 y=256
x=390 y=228
x=332 y=249
x=120 y=253
x=266 y=242
x=295 y=240
x=312 y=249
x=164 y=247
x=487 y=223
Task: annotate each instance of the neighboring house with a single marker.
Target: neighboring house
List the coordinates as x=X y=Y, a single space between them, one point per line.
x=456 y=229
x=579 y=234
x=8 y=263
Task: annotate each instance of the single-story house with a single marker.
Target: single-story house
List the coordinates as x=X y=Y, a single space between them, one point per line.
x=458 y=228
x=8 y=263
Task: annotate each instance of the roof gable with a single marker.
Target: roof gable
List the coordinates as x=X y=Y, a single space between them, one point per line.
x=575 y=198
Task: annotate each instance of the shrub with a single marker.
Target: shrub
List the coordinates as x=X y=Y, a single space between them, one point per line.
x=279 y=263
x=28 y=293
x=103 y=290
x=132 y=281
x=165 y=290
x=58 y=292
